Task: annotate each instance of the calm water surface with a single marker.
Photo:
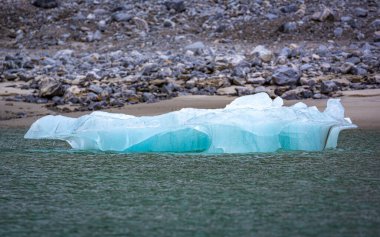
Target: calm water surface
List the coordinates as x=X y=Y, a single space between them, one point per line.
x=46 y=189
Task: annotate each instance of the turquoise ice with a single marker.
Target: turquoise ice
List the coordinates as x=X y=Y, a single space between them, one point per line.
x=253 y=123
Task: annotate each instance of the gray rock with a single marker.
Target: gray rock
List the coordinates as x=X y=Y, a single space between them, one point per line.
x=196 y=47
x=319 y=96
x=176 y=5
x=376 y=24
x=263 y=53
x=240 y=72
x=256 y=80
x=149 y=69
x=50 y=87
x=95 y=88
x=325 y=15
x=286 y=76
x=322 y=50
x=360 y=12
x=346 y=18
x=168 y=23
x=91 y=96
x=361 y=71
x=376 y=36
x=271 y=16
x=231 y=90
x=360 y=36
x=353 y=60
x=149 y=97
x=94 y=36
x=328 y=86
x=116 y=102
x=286 y=52
x=91 y=76
x=289 y=8
x=260 y=89
x=57 y=100
x=338 y=32
x=25 y=76
x=141 y=24
x=97 y=105
x=305 y=67
x=47 y=4
x=121 y=16
x=347 y=68
x=296 y=94
x=288 y=27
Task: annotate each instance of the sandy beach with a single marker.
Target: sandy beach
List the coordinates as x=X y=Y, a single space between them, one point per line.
x=363 y=107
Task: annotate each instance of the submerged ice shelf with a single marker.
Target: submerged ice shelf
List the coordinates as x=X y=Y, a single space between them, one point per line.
x=253 y=123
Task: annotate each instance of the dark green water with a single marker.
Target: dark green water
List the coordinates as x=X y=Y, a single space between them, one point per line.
x=48 y=190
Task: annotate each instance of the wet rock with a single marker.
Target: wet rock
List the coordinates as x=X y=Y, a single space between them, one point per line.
x=286 y=76
x=47 y=4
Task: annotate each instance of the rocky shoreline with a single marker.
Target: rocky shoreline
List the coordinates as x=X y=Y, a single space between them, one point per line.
x=117 y=53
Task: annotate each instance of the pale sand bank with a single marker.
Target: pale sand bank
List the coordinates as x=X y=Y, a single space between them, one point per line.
x=363 y=108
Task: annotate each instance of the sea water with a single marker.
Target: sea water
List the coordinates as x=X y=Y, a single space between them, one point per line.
x=47 y=189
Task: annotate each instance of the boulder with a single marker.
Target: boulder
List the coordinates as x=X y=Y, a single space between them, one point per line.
x=50 y=87
x=286 y=76
x=328 y=86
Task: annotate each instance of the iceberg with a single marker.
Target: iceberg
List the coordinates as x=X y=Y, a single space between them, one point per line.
x=253 y=123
